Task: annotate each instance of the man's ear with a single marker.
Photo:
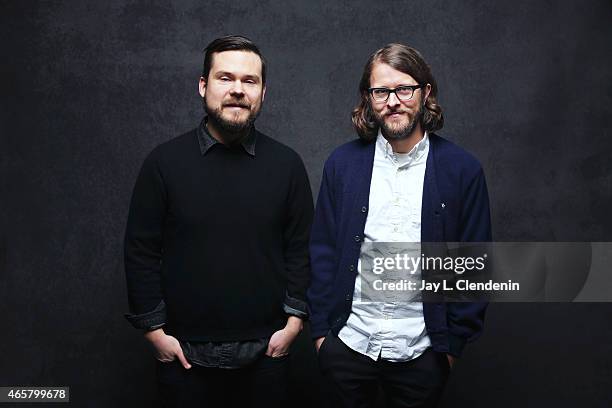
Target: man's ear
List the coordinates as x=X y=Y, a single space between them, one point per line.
x=426 y=94
x=202 y=87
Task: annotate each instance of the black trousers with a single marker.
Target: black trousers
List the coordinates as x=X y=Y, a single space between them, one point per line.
x=263 y=383
x=354 y=380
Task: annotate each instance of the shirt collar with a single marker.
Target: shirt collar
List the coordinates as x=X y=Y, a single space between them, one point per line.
x=414 y=155
x=206 y=140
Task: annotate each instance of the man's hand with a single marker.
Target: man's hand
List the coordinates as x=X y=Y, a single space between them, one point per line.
x=451 y=361
x=167 y=348
x=318 y=343
x=282 y=339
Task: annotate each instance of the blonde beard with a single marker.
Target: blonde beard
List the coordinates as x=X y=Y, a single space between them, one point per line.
x=401 y=132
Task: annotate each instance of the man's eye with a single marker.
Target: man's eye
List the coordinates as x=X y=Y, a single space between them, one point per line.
x=380 y=92
x=225 y=79
x=404 y=90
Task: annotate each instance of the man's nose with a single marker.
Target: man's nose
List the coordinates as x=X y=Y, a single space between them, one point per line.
x=236 y=88
x=393 y=100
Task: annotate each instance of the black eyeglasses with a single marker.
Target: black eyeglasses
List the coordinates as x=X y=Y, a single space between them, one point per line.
x=403 y=93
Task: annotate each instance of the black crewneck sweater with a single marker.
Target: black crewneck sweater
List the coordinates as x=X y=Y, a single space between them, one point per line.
x=220 y=236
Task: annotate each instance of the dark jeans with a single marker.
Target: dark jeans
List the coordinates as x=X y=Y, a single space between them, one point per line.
x=263 y=383
x=354 y=379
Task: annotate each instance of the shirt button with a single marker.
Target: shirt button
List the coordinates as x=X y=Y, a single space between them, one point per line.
x=364 y=209
x=357 y=238
x=348 y=297
x=352 y=268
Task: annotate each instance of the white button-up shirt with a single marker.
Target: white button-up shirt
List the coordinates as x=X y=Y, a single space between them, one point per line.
x=391 y=330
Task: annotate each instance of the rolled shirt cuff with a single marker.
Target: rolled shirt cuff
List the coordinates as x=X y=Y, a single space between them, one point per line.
x=152 y=320
x=295 y=307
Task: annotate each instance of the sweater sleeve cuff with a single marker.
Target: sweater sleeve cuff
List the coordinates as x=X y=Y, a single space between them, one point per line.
x=316 y=333
x=456 y=345
x=152 y=320
x=295 y=307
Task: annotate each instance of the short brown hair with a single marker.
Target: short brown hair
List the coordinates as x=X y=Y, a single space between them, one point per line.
x=409 y=61
x=231 y=43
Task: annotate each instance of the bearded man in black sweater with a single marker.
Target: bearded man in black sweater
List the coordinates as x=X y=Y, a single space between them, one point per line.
x=216 y=245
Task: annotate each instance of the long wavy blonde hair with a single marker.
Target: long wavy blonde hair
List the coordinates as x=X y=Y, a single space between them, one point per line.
x=409 y=61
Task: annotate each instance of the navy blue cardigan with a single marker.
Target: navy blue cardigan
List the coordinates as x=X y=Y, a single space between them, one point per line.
x=455 y=209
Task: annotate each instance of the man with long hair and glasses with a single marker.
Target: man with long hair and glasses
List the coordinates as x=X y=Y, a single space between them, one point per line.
x=399 y=182
x=216 y=245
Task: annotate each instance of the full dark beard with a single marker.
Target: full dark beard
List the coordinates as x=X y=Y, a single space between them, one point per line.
x=403 y=132
x=230 y=126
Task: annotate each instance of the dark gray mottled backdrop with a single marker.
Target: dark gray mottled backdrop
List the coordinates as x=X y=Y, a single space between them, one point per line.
x=89 y=88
